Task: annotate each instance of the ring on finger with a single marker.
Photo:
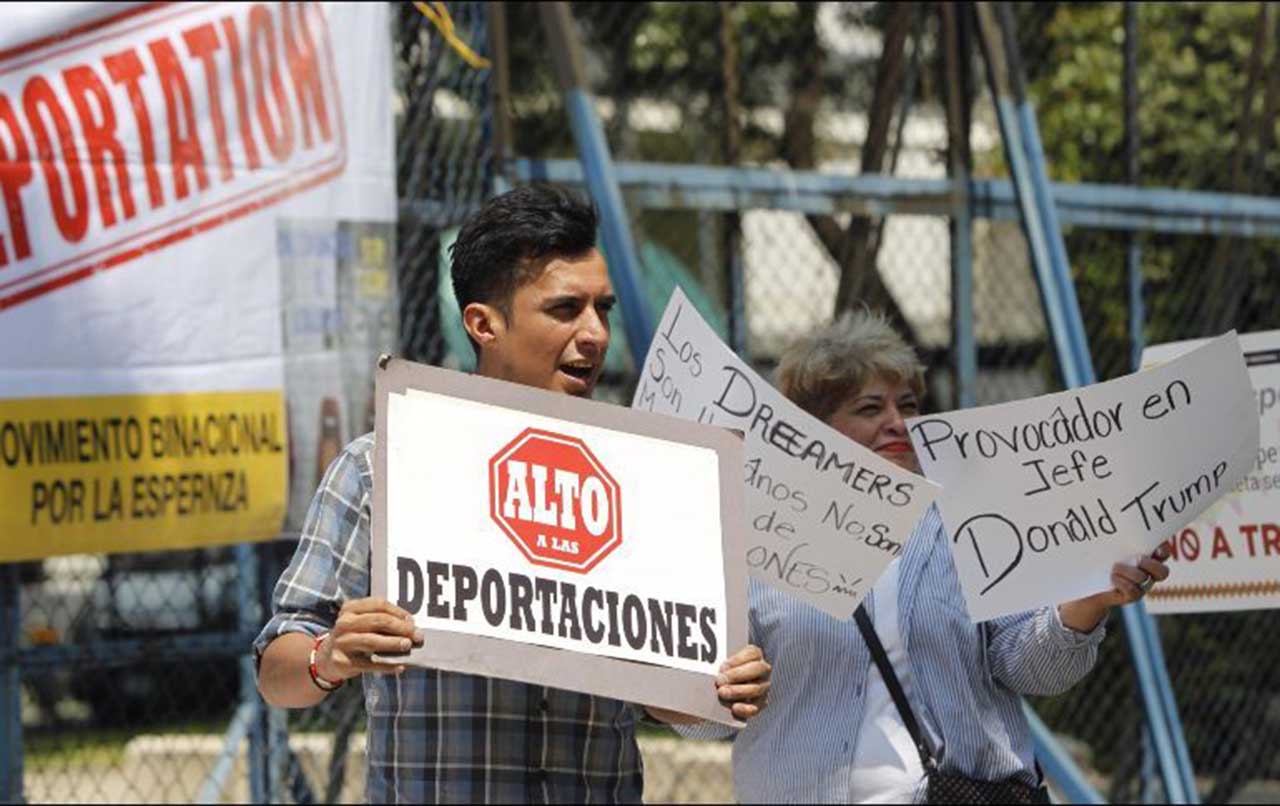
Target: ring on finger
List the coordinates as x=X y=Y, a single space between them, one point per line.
x=1146 y=584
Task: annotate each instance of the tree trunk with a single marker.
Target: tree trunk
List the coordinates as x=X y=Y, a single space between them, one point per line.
x=848 y=246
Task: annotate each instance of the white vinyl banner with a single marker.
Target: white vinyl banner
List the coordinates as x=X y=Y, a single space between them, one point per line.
x=1041 y=497
x=1229 y=557
x=826 y=515
x=197 y=215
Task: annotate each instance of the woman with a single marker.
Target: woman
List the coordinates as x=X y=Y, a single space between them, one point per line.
x=832 y=732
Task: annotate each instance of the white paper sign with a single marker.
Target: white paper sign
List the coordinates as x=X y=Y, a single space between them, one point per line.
x=1041 y=497
x=439 y=511
x=1229 y=557
x=556 y=541
x=825 y=515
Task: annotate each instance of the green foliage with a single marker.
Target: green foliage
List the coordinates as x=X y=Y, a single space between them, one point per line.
x=1192 y=60
x=1193 y=67
x=1193 y=78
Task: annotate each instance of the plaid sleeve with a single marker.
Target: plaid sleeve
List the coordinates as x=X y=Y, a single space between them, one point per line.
x=331 y=563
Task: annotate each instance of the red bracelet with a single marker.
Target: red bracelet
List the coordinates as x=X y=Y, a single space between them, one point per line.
x=321 y=683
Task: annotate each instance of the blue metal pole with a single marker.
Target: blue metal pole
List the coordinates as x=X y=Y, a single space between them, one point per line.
x=247 y=722
x=738 y=303
x=1083 y=358
x=1053 y=236
x=963 y=340
x=1147 y=772
x=216 y=781
x=601 y=179
x=11 y=784
x=1037 y=242
x=1165 y=687
x=1145 y=626
x=1143 y=667
x=956 y=31
x=1137 y=308
x=1058 y=766
x=1031 y=182
x=602 y=183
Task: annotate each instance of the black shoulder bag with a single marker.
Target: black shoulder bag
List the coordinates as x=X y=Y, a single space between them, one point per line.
x=941 y=787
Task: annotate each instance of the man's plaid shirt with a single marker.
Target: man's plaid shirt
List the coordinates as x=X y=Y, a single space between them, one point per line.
x=444 y=737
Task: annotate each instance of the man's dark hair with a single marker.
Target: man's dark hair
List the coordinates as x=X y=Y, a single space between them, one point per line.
x=507 y=240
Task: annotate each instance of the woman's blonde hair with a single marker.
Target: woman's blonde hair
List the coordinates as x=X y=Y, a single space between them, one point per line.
x=827 y=367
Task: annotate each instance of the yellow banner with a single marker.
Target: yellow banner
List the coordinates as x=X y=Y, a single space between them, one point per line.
x=140 y=472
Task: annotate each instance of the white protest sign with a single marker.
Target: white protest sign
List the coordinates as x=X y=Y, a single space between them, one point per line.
x=543 y=538
x=826 y=515
x=1229 y=557
x=1041 y=497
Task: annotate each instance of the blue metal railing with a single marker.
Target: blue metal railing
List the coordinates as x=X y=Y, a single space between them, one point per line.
x=660 y=185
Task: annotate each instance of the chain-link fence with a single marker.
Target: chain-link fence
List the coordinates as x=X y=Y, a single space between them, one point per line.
x=838 y=89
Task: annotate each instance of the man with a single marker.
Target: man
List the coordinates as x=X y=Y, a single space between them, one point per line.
x=535 y=298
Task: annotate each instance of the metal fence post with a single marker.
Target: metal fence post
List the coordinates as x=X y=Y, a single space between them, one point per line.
x=1164 y=688
x=1062 y=309
x=963 y=343
x=1033 y=225
x=602 y=182
x=1137 y=342
x=1148 y=775
x=11 y=787
x=1133 y=248
x=250 y=704
x=1058 y=765
x=499 y=133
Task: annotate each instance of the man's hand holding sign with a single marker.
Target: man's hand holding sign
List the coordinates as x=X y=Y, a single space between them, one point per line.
x=1044 y=496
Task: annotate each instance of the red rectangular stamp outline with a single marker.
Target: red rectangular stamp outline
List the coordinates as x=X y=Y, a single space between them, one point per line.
x=103 y=256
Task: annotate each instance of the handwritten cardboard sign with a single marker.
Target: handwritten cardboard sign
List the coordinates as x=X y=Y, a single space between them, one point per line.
x=1229 y=557
x=557 y=541
x=1041 y=497
x=825 y=515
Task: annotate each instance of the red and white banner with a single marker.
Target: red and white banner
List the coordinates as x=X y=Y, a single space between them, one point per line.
x=197 y=216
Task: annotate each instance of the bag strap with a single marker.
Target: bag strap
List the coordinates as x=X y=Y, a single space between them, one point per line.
x=890 y=679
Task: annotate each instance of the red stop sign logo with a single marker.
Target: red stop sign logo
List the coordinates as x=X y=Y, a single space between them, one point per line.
x=550 y=495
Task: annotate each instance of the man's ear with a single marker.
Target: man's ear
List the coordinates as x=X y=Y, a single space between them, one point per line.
x=484 y=323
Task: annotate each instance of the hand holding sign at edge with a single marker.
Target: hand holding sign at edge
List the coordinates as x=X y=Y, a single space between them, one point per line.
x=742 y=686
x=1129 y=583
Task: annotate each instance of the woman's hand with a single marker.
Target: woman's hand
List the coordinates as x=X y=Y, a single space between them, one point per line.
x=743 y=682
x=1129 y=583
x=742 y=685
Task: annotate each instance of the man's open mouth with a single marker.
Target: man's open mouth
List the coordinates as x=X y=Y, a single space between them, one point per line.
x=580 y=371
